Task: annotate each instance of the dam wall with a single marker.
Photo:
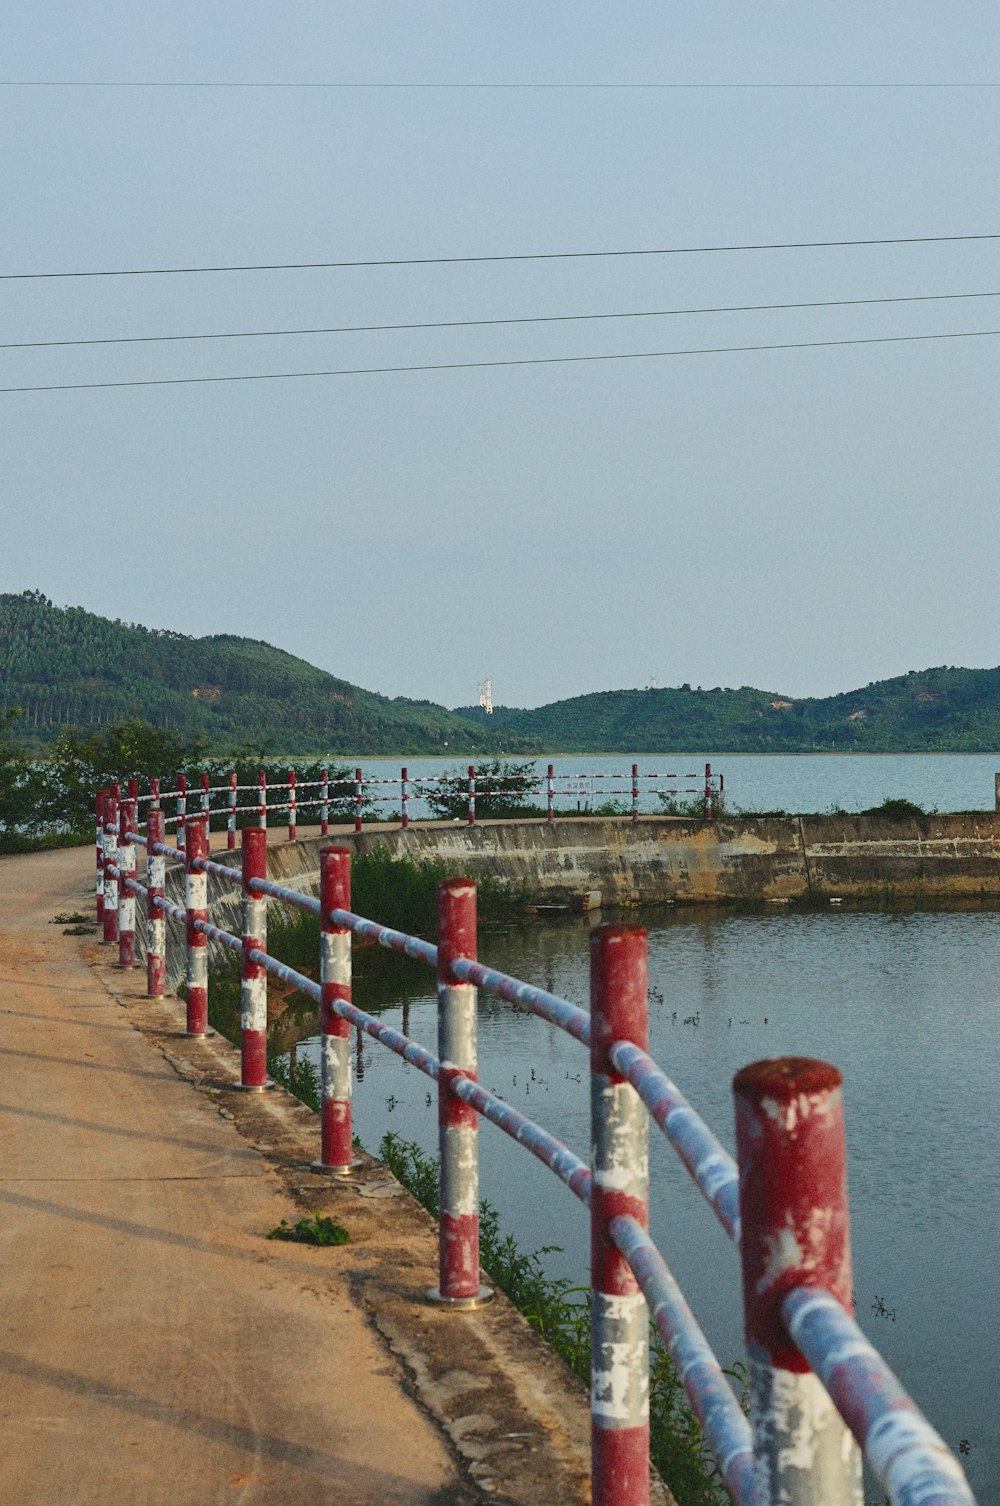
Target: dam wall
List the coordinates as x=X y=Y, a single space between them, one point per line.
x=664 y=859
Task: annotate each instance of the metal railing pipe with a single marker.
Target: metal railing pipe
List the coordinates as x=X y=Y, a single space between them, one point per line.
x=458 y=1123
x=619 y=1322
x=795 y=1232
x=336 y=1153
x=196 y=907
x=253 y=980
x=156 y=925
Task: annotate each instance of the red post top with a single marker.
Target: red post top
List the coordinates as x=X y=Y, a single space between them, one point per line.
x=793 y=1193
x=254 y=853
x=619 y=1009
x=291 y=779
x=204 y=780
x=456 y=908
x=334 y=883
x=154 y=827
x=182 y=783
x=126 y=818
x=197 y=842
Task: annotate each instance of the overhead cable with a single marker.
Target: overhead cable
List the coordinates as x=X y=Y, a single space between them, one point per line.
x=632 y=355
x=445 y=261
x=363 y=329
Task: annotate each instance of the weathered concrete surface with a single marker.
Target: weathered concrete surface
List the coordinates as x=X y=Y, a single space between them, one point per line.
x=661 y=860
x=156 y=1348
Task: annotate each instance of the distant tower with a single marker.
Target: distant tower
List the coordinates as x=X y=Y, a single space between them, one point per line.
x=486 y=696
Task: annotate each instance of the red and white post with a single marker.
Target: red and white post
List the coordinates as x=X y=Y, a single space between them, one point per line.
x=472 y=794
x=404 y=796
x=550 y=787
x=102 y=796
x=182 y=785
x=458 y=1123
x=154 y=793
x=231 y=803
x=708 y=792
x=206 y=801
x=293 y=824
x=635 y=792
x=324 y=802
x=156 y=921
x=357 y=799
x=262 y=800
x=336 y=1155
x=795 y=1232
x=253 y=984
x=196 y=903
x=126 y=896
x=110 y=937
x=619 y=1367
x=133 y=791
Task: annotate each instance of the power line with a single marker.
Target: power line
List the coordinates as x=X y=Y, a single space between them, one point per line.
x=443 y=261
x=361 y=329
x=632 y=355
x=117 y=83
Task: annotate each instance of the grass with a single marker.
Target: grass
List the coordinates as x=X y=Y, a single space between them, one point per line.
x=318 y=1230
x=560 y=1313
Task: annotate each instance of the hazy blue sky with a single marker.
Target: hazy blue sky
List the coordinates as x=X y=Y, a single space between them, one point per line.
x=801 y=520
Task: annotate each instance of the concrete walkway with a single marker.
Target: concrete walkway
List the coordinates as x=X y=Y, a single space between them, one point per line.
x=155 y=1347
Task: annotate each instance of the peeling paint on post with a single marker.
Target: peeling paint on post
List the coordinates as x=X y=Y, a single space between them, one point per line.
x=110 y=868
x=206 y=801
x=550 y=786
x=102 y=796
x=357 y=799
x=635 y=792
x=126 y=896
x=196 y=903
x=262 y=800
x=795 y=1233
x=293 y=826
x=404 y=798
x=324 y=802
x=179 y=836
x=472 y=794
x=156 y=923
x=253 y=982
x=458 y=1123
x=619 y=1374
x=231 y=812
x=336 y=1154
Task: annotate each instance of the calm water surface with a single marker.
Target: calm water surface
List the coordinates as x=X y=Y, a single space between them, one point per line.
x=906 y=1005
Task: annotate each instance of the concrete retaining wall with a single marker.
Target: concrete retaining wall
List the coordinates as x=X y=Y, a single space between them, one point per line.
x=664 y=859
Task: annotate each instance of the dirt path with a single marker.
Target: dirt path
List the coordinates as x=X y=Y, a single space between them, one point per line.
x=155 y=1348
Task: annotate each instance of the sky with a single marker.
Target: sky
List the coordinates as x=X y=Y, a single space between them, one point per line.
x=801 y=520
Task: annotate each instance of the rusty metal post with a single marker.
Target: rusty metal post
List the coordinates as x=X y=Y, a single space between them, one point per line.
x=795 y=1232
x=619 y=1366
x=126 y=896
x=253 y=984
x=336 y=1154
x=458 y=1123
x=154 y=792
x=156 y=921
x=111 y=889
x=196 y=903
x=293 y=825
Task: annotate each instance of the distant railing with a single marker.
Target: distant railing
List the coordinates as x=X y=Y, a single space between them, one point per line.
x=819 y=1390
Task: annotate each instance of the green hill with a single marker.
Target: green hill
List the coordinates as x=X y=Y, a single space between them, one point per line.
x=927 y=711
x=66 y=667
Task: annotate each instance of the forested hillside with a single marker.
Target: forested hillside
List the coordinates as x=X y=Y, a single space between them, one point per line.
x=66 y=667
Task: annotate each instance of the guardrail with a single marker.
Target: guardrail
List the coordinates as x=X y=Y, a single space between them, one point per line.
x=367 y=792
x=820 y=1394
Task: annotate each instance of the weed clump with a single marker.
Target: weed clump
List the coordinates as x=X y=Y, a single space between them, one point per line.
x=318 y=1230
